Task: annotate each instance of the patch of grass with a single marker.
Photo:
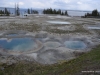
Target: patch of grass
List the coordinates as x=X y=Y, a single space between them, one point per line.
x=79 y=28
x=86 y=62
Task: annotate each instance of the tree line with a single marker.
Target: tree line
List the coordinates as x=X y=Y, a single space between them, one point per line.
x=54 y=11
x=31 y=11
x=4 y=12
x=94 y=13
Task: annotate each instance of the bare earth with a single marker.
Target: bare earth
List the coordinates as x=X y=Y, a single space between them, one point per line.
x=50 y=37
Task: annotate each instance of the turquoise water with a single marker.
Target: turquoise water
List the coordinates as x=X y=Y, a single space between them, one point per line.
x=75 y=44
x=21 y=44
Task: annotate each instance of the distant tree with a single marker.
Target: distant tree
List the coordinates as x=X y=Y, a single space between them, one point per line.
x=0 y=12
x=17 y=11
x=50 y=11
x=62 y=13
x=85 y=15
x=44 y=11
x=66 y=13
x=54 y=11
x=95 y=13
x=35 y=12
x=59 y=12
x=31 y=11
x=6 y=12
x=28 y=11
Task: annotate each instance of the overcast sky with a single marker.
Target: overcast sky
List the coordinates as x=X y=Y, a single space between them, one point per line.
x=61 y=4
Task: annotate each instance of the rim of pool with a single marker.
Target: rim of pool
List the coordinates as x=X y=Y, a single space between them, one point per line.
x=24 y=45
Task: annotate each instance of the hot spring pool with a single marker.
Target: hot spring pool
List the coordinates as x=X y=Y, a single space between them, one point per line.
x=75 y=44
x=94 y=27
x=58 y=22
x=18 y=44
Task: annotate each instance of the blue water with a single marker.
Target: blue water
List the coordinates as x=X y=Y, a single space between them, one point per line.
x=75 y=44
x=21 y=44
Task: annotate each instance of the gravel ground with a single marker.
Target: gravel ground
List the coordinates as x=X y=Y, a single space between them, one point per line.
x=36 y=26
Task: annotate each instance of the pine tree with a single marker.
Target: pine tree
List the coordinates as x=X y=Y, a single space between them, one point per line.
x=17 y=11
x=95 y=13
x=6 y=12
x=54 y=11
x=44 y=11
x=62 y=13
x=59 y=12
x=0 y=12
x=28 y=11
x=31 y=11
x=66 y=13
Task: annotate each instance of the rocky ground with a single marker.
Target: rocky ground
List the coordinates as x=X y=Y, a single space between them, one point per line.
x=37 y=26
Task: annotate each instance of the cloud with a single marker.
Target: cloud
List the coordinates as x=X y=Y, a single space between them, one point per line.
x=60 y=4
x=79 y=3
x=21 y=3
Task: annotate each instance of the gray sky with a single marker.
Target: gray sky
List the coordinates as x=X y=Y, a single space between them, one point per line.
x=61 y=4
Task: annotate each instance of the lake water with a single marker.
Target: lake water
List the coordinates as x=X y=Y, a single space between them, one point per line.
x=20 y=44
x=75 y=44
x=77 y=13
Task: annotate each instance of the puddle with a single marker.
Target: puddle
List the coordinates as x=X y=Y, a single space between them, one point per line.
x=58 y=22
x=18 y=44
x=53 y=17
x=94 y=27
x=75 y=44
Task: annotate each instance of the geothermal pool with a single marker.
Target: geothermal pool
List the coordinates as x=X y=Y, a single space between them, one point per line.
x=75 y=44
x=94 y=27
x=17 y=44
x=58 y=22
